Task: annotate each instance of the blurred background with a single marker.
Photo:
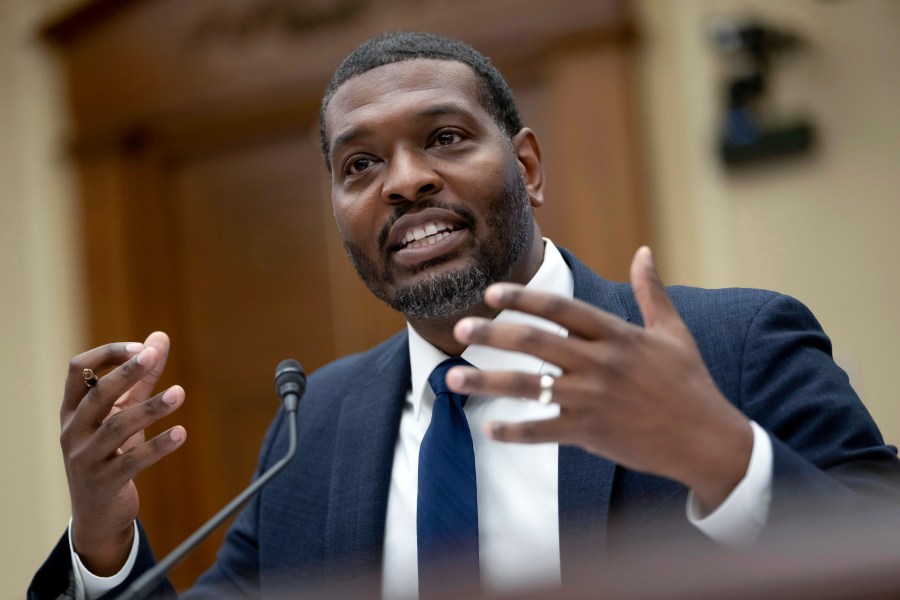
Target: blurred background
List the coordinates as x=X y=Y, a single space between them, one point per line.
x=159 y=169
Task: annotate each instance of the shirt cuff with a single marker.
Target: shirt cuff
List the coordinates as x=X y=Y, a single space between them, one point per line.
x=89 y=586
x=738 y=521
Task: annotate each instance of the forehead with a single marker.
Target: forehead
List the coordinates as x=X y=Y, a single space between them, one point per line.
x=401 y=87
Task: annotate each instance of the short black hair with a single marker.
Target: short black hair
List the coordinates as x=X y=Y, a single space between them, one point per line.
x=397 y=46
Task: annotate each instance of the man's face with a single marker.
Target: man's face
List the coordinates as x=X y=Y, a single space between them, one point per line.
x=427 y=192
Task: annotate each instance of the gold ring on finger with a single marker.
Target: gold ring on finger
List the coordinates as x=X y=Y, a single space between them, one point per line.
x=90 y=379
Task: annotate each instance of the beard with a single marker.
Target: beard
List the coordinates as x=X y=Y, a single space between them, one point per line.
x=451 y=294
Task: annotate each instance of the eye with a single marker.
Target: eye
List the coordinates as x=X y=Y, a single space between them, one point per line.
x=447 y=137
x=358 y=165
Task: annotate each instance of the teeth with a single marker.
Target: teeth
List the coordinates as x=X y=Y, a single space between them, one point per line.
x=419 y=237
x=428 y=241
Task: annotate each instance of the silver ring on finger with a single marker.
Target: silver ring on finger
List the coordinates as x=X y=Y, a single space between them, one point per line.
x=546 y=395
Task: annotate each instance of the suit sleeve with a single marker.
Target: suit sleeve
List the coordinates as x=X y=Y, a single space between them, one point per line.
x=827 y=450
x=55 y=580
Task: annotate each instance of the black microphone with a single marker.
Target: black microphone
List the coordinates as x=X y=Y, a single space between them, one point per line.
x=290 y=383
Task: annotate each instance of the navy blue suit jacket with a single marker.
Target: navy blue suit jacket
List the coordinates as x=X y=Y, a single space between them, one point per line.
x=323 y=519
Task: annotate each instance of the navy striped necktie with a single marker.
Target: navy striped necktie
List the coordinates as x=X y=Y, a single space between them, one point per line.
x=447 y=507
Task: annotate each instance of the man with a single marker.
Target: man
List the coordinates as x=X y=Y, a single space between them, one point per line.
x=718 y=403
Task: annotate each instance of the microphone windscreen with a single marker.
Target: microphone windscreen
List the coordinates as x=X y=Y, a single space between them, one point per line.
x=289 y=378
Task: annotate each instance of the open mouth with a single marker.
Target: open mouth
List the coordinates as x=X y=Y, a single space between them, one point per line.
x=427 y=235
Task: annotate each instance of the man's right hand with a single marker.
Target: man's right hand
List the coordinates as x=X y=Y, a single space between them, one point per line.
x=104 y=447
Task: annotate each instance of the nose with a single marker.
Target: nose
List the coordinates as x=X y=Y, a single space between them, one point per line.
x=410 y=177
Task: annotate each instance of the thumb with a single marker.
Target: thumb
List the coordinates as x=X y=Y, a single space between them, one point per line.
x=656 y=308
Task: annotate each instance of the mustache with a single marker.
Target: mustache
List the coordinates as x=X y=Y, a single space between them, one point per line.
x=464 y=212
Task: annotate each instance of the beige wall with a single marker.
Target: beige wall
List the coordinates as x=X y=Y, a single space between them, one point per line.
x=39 y=299
x=822 y=229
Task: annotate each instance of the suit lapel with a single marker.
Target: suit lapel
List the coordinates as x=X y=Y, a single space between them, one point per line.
x=367 y=434
x=586 y=480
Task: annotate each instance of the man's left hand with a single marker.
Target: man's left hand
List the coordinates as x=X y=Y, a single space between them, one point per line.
x=639 y=396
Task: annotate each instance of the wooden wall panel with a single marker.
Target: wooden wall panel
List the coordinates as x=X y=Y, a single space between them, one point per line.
x=594 y=188
x=253 y=290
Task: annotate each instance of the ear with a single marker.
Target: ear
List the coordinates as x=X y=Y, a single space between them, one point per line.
x=528 y=157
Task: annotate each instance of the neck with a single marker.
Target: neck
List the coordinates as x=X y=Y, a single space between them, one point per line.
x=439 y=332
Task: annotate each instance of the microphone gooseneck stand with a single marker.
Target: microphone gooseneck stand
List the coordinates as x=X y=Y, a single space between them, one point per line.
x=290 y=382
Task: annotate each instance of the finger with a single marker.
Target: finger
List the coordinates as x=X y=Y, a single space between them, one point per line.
x=144 y=387
x=528 y=432
x=97 y=403
x=565 y=352
x=129 y=464
x=649 y=291
x=96 y=359
x=580 y=318
x=117 y=429
x=514 y=384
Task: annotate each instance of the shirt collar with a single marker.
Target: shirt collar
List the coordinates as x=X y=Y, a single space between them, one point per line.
x=553 y=276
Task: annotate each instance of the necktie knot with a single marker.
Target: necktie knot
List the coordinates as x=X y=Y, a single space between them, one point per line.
x=438 y=379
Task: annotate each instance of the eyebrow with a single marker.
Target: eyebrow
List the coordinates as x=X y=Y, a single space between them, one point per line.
x=446 y=108
x=436 y=110
x=345 y=138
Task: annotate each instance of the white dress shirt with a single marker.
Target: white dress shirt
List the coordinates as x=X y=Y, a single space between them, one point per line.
x=518 y=513
x=518 y=524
